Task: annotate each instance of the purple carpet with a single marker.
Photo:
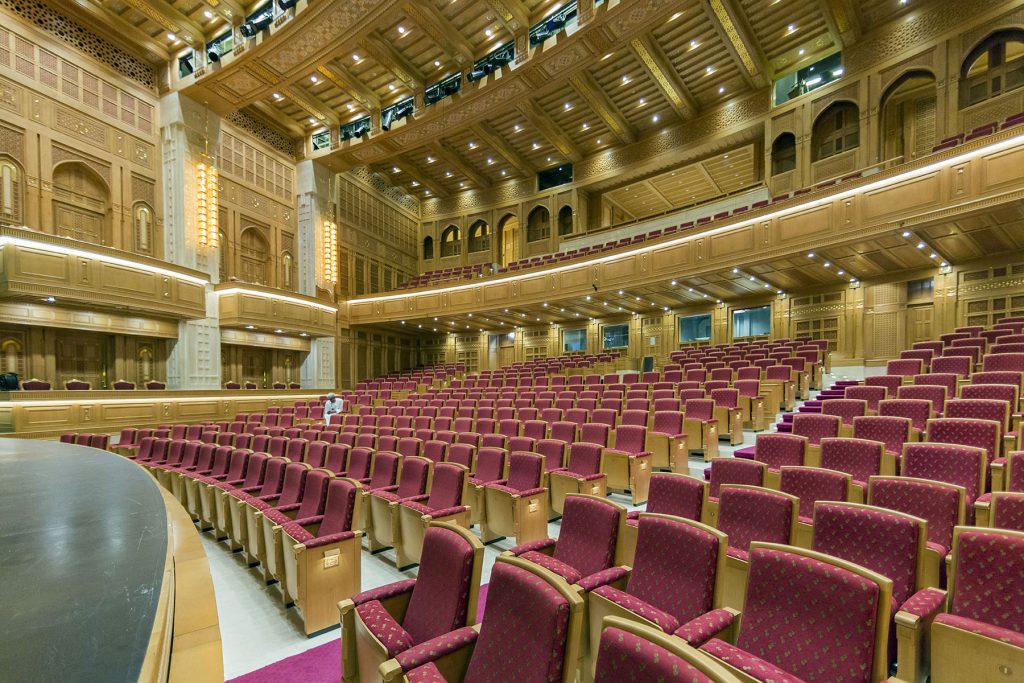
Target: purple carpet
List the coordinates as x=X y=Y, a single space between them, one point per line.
x=322 y=664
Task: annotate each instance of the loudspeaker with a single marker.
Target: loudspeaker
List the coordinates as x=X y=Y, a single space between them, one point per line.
x=8 y=381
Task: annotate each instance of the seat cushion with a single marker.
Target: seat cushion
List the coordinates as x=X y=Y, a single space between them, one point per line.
x=748 y=663
x=625 y=657
x=564 y=570
x=428 y=673
x=665 y=621
x=383 y=626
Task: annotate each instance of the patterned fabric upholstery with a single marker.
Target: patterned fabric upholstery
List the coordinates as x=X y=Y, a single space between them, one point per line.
x=592 y=432
x=980 y=409
x=991 y=392
x=421 y=657
x=890 y=382
x=674 y=568
x=384 y=627
x=925 y=602
x=845 y=408
x=588 y=536
x=798 y=607
x=1015 y=462
x=490 y=465
x=672 y=495
x=918 y=410
x=524 y=471
x=966 y=432
x=748 y=663
x=631 y=439
x=733 y=471
x=815 y=427
x=627 y=658
x=385 y=592
x=872 y=395
x=904 y=367
x=893 y=431
x=413 y=479
x=933 y=502
x=960 y=465
x=947 y=380
x=1008 y=510
x=668 y=422
x=440 y=597
x=699 y=409
x=665 y=621
x=337 y=516
x=525 y=625
x=706 y=626
x=1004 y=362
x=873 y=538
x=951 y=364
x=604 y=577
x=988 y=587
x=584 y=459
x=748 y=515
x=811 y=484
x=778 y=450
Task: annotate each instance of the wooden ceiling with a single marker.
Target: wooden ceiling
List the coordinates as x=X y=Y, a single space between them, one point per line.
x=684 y=57
x=985 y=234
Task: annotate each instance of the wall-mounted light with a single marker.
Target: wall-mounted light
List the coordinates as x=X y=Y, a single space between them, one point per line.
x=207 y=210
x=330 y=251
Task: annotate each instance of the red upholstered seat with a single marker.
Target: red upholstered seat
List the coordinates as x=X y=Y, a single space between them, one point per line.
x=753 y=514
x=734 y=471
x=334 y=524
x=941 y=505
x=815 y=426
x=893 y=431
x=797 y=607
x=624 y=655
x=811 y=484
x=778 y=450
x=984 y=434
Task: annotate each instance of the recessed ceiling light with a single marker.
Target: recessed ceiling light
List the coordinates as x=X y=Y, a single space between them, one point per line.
x=721 y=89
x=536 y=146
x=401 y=30
x=503 y=172
x=488 y=33
x=607 y=56
x=312 y=120
x=791 y=28
x=675 y=16
x=516 y=128
x=599 y=141
x=350 y=107
x=391 y=86
x=642 y=101
x=355 y=57
x=694 y=44
x=625 y=79
x=801 y=52
x=447 y=174
x=250 y=327
x=709 y=69
x=171 y=36
x=655 y=118
x=472 y=145
x=314 y=79
x=430 y=159
x=277 y=96
x=208 y=14
x=395 y=169
x=437 y=62
x=567 y=106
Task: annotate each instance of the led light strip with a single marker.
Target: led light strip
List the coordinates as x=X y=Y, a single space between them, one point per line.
x=20 y=241
x=1016 y=140
x=279 y=297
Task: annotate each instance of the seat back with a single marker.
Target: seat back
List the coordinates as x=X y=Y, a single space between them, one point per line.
x=885 y=541
x=521 y=594
x=750 y=513
x=939 y=504
x=891 y=430
x=675 y=568
x=294 y=480
x=359 y=461
x=525 y=471
x=961 y=465
x=846 y=409
x=985 y=582
x=631 y=438
x=447 y=584
x=413 y=478
x=385 y=470
x=594 y=433
x=584 y=458
x=811 y=484
x=679 y=495
x=273 y=477
x=734 y=471
x=827 y=605
x=778 y=449
x=339 y=507
x=966 y=432
x=699 y=409
x=891 y=383
x=461 y=454
x=490 y=464
x=447 y=485
x=816 y=426
x=589 y=533
x=336 y=458
x=918 y=410
x=997 y=410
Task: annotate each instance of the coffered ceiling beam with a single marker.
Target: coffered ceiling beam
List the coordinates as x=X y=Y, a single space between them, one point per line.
x=230 y=9
x=707 y=176
x=505 y=150
x=751 y=62
x=454 y=159
x=343 y=78
x=170 y=19
x=428 y=18
x=417 y=174
x=512 y=14
x=550 y=130
x=842 y=20
x=115 y=27
x=600 y=104
x=286 y=123
x=313 y=106
x=661 y=70
x=385 y=54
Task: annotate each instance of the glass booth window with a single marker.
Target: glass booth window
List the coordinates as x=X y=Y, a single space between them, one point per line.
x=615 y=336
x=809 y=78
x=695 y=328
x=575 y=340
x=751 y=322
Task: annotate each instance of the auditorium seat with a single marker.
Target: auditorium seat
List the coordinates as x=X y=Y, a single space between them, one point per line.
x=964 y=466
x=310 y=503
x=446 y=502
x=517 y=506
x=1007 y=475
x=701 y=427
x=288 y=493
x=314 y=585
x=519 y=592
x=673 y=582
x=983 y=629
x=800 y=603
x=779 y=450
x=382 y=526
x=729 y=471
x=815 y=427
x=489 y=467
x=810 y=485
x=628 y=464
x=581 y=475
x=747 y=514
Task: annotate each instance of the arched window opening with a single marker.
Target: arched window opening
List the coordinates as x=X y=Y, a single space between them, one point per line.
x=451 y=242
x=142 y=218
x=508 y=239
x=288 y=271
x=565 y=221
x=908 y=110
x=836 y=130
x=428 y=248
x=784 y=153
x=994 y=67
x=10 y=192
x=479 y=236
x=538 y=224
